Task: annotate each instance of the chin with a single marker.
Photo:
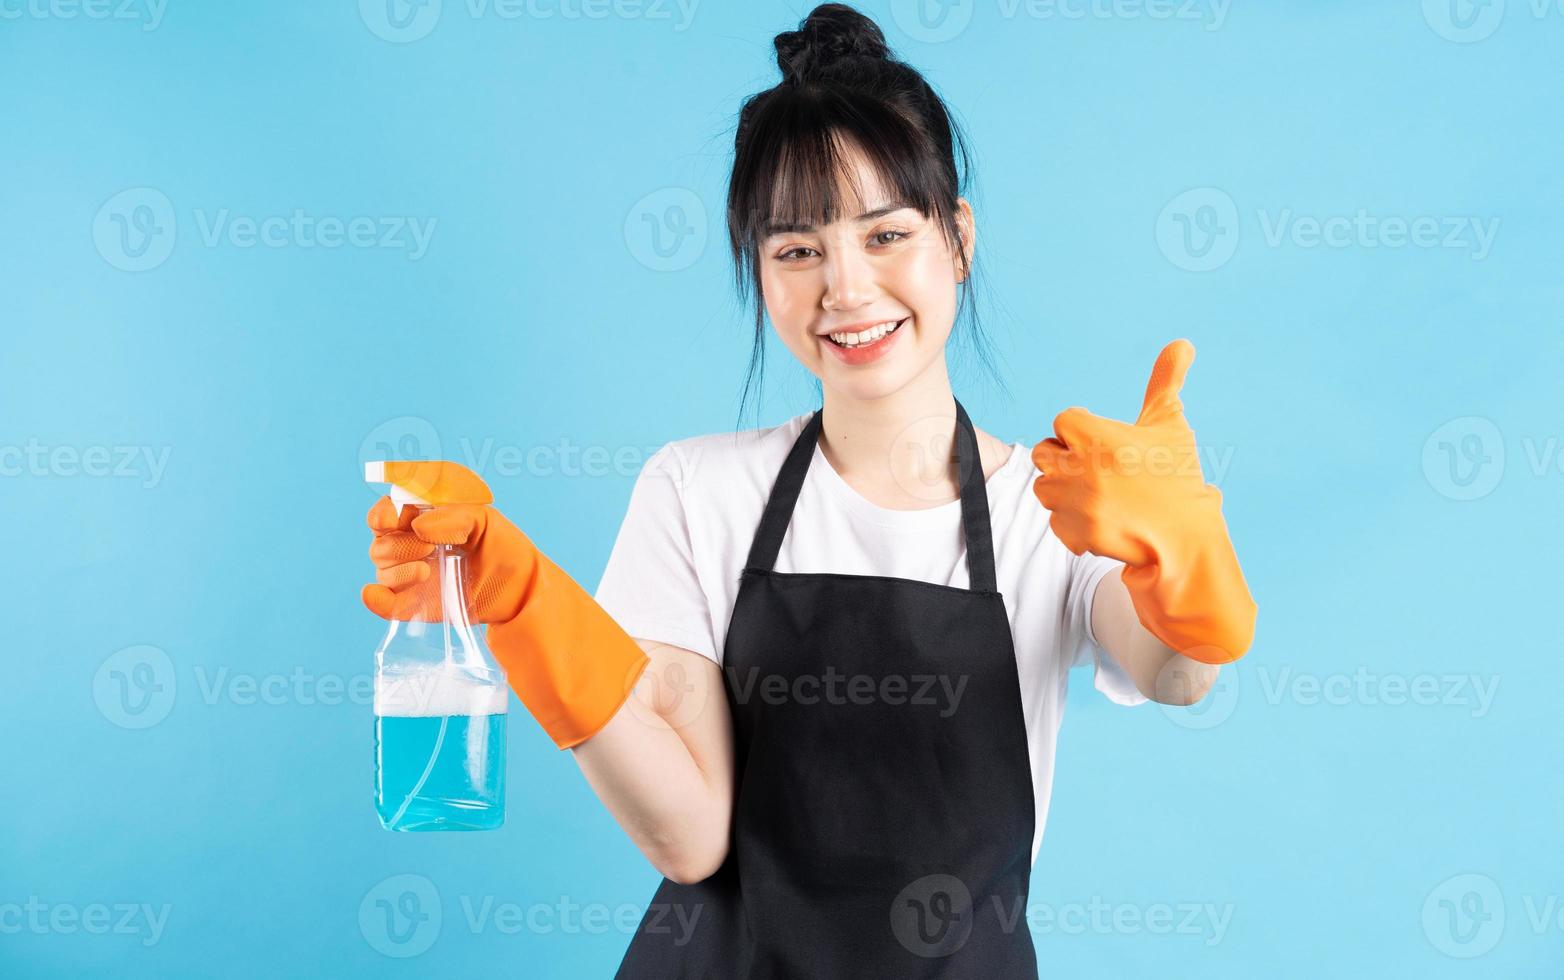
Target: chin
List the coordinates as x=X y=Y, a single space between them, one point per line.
x=868 y=385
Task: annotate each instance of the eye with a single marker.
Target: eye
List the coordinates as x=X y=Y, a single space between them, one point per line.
x=793 y=254
x=889 y=237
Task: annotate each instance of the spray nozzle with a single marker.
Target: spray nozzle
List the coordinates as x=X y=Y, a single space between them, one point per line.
x=428 y=482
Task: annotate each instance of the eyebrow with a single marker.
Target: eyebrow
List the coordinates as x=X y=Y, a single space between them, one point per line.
x=789 y=227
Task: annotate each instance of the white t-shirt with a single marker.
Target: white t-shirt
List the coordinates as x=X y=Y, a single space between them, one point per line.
x=673 y=575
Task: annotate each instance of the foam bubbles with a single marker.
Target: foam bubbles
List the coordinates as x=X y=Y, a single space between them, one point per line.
x=435 y=690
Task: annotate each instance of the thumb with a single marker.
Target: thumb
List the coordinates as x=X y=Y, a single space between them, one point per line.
x=452 y=524
x=1167 y=378
x=384 y=518
x=380 y=600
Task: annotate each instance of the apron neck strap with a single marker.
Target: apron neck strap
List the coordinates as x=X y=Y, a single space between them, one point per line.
x=974 y=502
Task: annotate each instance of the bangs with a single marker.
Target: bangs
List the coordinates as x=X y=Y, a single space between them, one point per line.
x=800 y=170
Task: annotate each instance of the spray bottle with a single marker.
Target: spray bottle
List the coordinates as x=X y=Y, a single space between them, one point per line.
x=440 y=696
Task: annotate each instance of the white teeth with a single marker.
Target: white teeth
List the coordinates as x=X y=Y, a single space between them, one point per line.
x=867 y=336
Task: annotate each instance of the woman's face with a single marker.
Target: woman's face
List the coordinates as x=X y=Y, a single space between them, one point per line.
x=882 y=265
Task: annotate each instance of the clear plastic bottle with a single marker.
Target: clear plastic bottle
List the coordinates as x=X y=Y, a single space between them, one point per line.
x=440 y=706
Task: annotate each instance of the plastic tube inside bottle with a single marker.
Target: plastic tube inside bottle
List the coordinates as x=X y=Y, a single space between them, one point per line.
x=450 y=598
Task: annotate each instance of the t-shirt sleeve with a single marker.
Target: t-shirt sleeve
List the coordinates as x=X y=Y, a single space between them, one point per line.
x=1081 y=647
x=650 y=586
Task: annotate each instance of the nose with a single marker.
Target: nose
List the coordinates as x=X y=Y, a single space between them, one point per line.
x=849 y=280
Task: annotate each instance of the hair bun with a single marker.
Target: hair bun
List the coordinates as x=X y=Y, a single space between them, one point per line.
x=832 y=32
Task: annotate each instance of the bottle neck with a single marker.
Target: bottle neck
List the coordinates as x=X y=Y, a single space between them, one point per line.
x=450 y=564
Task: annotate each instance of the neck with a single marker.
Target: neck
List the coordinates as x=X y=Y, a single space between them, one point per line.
x=899 y=446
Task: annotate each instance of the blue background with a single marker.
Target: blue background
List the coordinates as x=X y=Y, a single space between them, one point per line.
x=1390 y=415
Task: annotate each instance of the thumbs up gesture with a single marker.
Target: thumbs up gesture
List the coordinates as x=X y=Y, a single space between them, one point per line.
x=1107 y=482
x=1135 y=492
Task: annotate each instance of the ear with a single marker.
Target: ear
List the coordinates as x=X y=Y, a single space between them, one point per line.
x=966 y=228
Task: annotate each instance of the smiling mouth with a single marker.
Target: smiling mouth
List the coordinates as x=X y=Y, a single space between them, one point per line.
x=878 y=332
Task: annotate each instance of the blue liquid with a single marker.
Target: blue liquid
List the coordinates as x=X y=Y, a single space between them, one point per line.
x=445 y=772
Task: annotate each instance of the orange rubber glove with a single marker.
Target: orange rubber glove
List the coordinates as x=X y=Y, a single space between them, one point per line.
x=1137 y=493
x=564 y=656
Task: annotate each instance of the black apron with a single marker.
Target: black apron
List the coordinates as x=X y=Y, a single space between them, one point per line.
x=883 y=818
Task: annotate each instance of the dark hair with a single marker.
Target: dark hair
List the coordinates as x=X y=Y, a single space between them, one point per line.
x=840 y=87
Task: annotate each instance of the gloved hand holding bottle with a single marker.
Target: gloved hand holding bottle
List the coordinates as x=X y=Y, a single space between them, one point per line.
x=571 y=665
x=1136 y=493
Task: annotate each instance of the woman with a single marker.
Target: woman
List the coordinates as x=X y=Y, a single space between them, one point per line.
x=852 y=664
